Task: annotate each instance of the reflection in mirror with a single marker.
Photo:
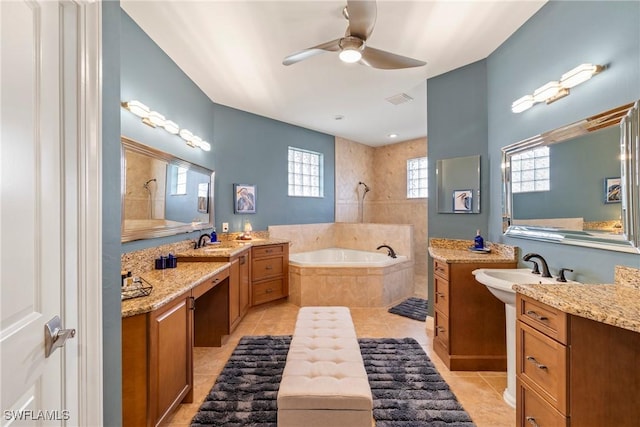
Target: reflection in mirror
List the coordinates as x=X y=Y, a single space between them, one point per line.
x=565 y=185
x=458 y=185
x=162 y=195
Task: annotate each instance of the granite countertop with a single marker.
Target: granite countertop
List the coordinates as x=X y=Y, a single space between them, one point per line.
x=170 y=283
x=227 y=248
x=613 y=304
x=457 y=251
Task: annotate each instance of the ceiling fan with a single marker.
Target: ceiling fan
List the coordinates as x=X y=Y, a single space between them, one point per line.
x=352 y=47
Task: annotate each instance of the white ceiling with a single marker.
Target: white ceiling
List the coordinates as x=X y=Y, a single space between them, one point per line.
x=233 y=50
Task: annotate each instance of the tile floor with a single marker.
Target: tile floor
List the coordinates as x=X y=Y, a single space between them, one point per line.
x=480 y=393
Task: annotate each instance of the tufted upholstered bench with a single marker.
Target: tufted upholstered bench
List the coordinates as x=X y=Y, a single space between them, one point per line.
x=324 y=382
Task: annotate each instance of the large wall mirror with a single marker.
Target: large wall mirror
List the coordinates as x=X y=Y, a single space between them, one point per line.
x=162 y=195
x=458 y=181
x=577 y=184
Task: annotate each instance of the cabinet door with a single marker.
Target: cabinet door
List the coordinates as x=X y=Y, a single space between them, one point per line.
x=170 y=354
x=234 y=293
x=244 y=283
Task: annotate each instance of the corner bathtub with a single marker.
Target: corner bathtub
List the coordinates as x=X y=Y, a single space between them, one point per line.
x=348 y=277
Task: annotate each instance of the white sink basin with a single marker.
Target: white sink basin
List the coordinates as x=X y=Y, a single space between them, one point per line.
x=500 y=280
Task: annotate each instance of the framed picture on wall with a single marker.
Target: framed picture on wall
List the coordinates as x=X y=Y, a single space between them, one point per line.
x=612 y=190
x=244 y=197
x=462 y=200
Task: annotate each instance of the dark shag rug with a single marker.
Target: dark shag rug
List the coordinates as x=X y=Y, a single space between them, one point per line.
x=413 y=308
x=407 y=390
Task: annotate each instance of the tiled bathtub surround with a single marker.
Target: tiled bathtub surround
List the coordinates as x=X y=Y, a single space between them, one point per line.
x=349 y=286
x=383 y=169
x=364 y=237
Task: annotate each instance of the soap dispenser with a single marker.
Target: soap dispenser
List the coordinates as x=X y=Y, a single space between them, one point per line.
x=214 y=236
x=478 y=241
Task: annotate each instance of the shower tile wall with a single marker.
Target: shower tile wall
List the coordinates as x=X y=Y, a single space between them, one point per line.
x=384 y=171
x=140 y=169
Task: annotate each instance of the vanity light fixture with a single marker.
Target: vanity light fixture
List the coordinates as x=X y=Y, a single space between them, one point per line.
x=137 y=108
x=554 y=90
x=171 y=127
x=155 y=119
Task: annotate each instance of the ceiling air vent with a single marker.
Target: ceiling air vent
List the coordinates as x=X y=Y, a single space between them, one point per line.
x=400 y=98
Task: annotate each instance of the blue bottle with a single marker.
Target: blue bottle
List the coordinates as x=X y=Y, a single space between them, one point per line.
x=478 y=241
x=214 y=236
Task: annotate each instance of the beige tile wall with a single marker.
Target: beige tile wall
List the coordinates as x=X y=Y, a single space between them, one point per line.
x=384 y=170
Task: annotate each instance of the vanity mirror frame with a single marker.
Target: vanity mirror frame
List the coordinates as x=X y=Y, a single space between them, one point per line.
x=128 y=235
x=627 y=118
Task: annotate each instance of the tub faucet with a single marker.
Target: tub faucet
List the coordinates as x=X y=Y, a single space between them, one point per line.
x=545 y=267
x=390 y=250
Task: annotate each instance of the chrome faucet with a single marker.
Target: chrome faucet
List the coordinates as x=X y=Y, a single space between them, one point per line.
x=390 y=250
x=545 y=267
x=200 y=242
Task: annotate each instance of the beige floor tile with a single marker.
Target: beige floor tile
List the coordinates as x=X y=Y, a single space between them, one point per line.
x=480 y=393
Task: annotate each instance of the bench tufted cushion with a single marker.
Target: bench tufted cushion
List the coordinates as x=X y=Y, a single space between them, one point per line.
x=324 y=376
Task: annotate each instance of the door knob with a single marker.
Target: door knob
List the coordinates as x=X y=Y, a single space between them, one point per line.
x=55 y=336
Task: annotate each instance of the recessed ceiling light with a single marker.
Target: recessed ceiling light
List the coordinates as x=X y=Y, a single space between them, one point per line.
x=393 y=135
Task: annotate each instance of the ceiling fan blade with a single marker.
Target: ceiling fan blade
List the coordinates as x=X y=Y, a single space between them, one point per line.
x=332 y=46
x=362 y=18
x=381 y=59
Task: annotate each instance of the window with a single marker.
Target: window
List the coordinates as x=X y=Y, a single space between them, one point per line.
x=305 y=173
x=530 y=171
x=178 y=180
x=417 y=184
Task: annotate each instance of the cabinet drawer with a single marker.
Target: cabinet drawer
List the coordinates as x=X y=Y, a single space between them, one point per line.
x=210 y=283
x=267 y=267
x=441 y=294
x=542 y=365
x=441 y=268
x=532 y=410
x=441 y=328
x=546 y=319
x=263 y=251
x=267 y=291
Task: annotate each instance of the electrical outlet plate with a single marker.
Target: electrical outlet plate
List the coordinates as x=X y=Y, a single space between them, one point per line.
x=225 y=227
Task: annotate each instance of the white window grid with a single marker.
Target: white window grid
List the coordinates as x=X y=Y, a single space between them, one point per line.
x=306 y=169
x=530 y=171
x=417 y=182
x=179 y=181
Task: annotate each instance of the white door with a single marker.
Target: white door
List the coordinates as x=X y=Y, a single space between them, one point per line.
x=40 y=209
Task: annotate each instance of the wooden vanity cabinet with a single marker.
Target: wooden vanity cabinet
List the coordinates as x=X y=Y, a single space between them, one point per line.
x=157 y=362
x=572 y=371
x=469 y=322
x=157 y=350
x=269 y=273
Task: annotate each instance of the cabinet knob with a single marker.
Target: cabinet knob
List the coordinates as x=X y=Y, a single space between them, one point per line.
x=536 y=363
x=537 y=316
x=532 y=421
x=440 y=328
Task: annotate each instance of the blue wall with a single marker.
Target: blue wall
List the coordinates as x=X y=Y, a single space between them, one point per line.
x=559 y=37
x=469 y=112
x=246 y=148
x=111 y=311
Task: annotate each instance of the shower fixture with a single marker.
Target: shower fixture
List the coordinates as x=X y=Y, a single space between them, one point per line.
x=146 y=184
x=366 y=187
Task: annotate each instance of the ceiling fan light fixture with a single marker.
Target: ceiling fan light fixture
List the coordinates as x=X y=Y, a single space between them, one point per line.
x=351 y=49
